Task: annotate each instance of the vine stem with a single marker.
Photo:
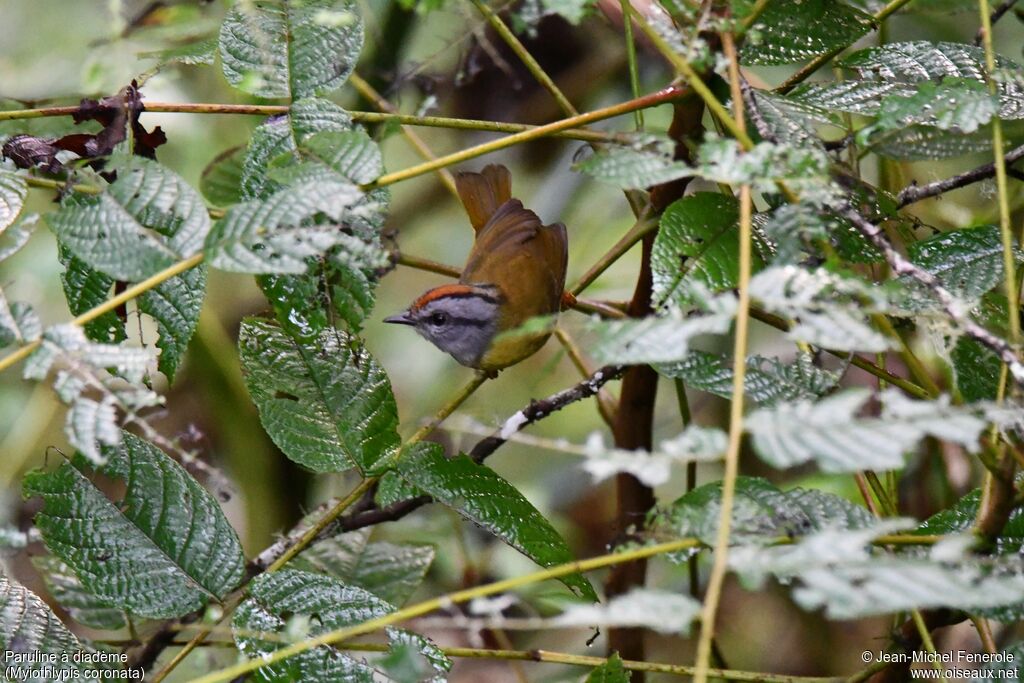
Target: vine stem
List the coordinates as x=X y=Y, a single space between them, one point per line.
x=651 y=100
x=446 y=601
x=732 y=454
x=1009 y=263
x=357 y=116
x=926 y=640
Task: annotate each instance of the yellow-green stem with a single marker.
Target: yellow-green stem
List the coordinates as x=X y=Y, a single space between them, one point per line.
x=926 y=640
x=525 y=57
x=444 y=601
x=739 y=367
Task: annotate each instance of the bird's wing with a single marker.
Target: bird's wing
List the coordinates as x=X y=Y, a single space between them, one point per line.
x=484 y=193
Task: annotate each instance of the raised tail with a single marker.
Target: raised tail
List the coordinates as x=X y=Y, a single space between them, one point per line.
x=482 y=193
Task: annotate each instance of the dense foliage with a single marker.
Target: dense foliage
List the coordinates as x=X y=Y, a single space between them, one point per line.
x=844 y=339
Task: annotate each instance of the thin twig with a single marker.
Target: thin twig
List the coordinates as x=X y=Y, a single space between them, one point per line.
x=915 y=193
x=996 y=15
x=732 y=454
x=902 y=266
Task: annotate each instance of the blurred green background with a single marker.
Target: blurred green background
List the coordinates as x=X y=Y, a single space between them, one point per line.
x=55 y=51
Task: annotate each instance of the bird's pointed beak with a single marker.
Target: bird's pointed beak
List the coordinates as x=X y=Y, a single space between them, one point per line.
x=400 y=319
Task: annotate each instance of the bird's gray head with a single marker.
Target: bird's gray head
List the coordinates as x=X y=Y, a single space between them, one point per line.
x=459 y=319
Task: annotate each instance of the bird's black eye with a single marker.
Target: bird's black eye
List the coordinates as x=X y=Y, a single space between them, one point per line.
x=439 y=319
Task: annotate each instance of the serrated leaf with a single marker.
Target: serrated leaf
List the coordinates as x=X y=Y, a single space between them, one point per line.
x=961 y=517
x=976 y=368
x=791 y=121
x=412 y=658
x=302 y=604
x=147 y=220
x=968 y=262
x=655 y=339
x=831 y=433
x=85 y=288
x=196 y=52
x=897 y=69
x=477 y=493
x=164 y=551
x=611 y=671
x=761 y=513
x=830 y=309
x=279 y=234
x=68 y=591
x=326 y=403
x=13 y=190
x=837 y=570
x=276 y=48
x=281 y=135
x=16 y=235
x=653 y=468
x=633 y=169
x=953 y=104
x=767 y=381
x=221 y=182
x=698 y=240
x=175 y=305
x=924 y=143
x=29 y=628
x=657 y=610
x=19 y=323
x=390 y=571
x=788 y=32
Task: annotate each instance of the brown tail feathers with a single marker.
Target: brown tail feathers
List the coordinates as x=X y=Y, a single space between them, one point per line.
x=482 y=193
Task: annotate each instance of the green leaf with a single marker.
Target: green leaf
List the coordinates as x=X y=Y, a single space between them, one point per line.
x=86 y=288
x=697 y=240
x=790 y=121
x=788 y=32
x=68 y=591
x=165 y=550
x=633 y=169
x=767 y=380
x=655 y=339
x=968 y=262
x=761 y=513
x=976 y=368
x=658 y=610
x=900 y=69
x=837 y=570
x=411 y=658
x=16 y=235
x=653 y=468
x=279 y=234
x=13 y=190
x=953 y=104
x=194 y=53
x=276 y=48
x=293 y=605
x=481 y=496
x=831 y=433
x=221 y=182
x=19 y=323
x=962 y=516
x=147 y=220
x=390 y=571
x=611 y=671
x=29 y=628
x=279 y=136
x=326 y=403
x=175 y=305
x=830 y=309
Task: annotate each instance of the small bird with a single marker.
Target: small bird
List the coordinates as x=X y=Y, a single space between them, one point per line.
x=515 y=271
